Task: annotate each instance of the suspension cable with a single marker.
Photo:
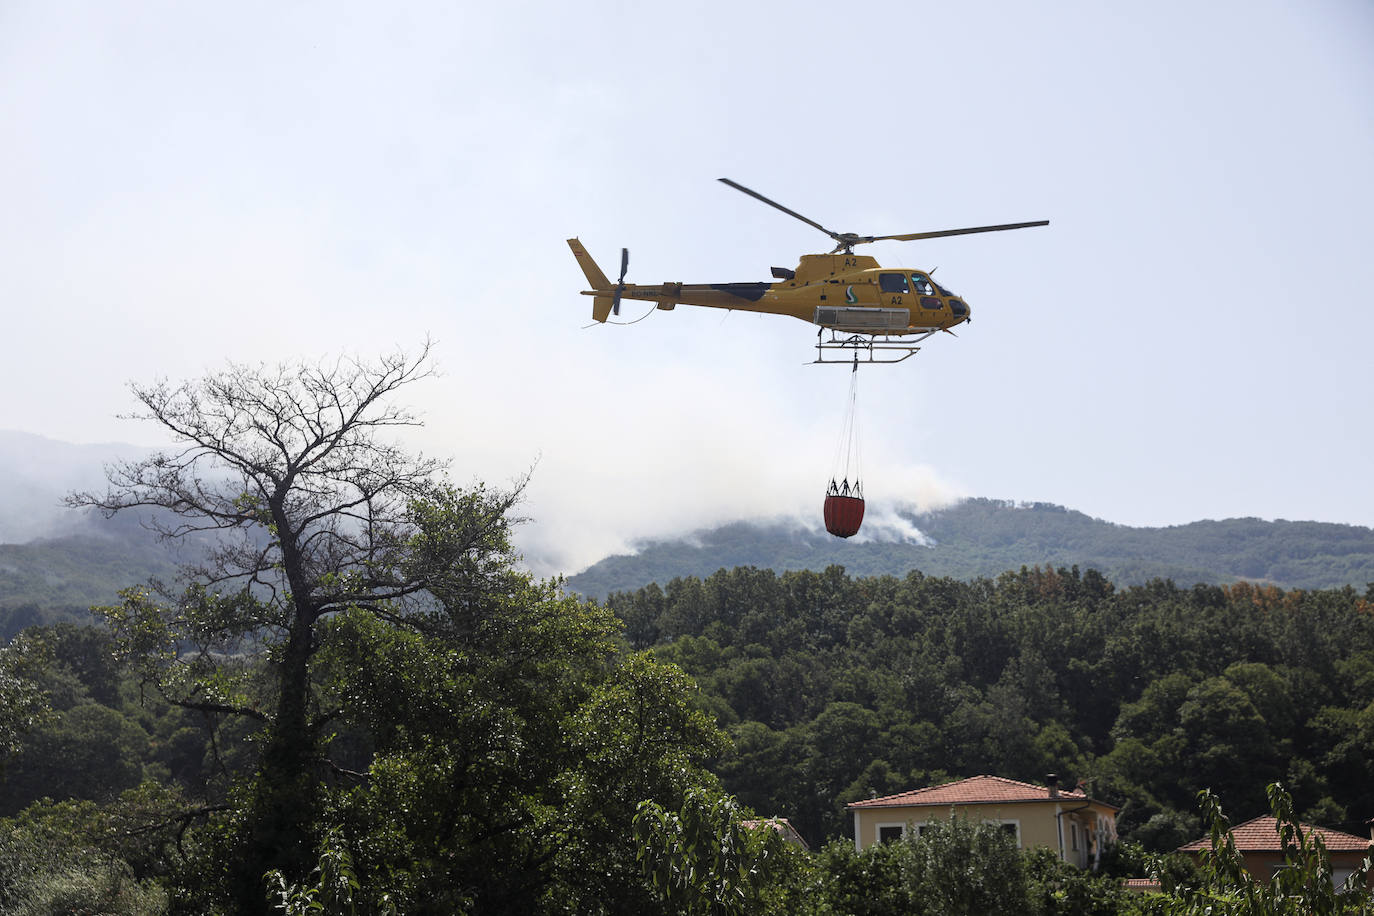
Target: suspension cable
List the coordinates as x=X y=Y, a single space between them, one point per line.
x=847 y=466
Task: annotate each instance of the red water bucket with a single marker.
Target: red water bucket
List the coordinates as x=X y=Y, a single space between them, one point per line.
x=843 y=515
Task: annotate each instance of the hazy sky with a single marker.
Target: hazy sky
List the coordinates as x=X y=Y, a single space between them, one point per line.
x=185 y=184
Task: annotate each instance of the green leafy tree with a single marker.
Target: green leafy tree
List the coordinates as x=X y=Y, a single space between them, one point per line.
x=953 y=868
x=1057 y=888
x=1346 y=746
x=23 y=702
x=506 y=746
x=703 y=860
x=88 y=751
x=79 y=857
x=335 y=889
x=1219 y=725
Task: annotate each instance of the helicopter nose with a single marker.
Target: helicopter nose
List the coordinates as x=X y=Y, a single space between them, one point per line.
x=960 y=310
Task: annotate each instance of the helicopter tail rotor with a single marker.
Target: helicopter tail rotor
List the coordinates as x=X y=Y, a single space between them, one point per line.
x=620 y=281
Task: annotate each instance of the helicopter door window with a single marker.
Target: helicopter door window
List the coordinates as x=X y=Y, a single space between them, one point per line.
x=893 y=283
x=920 y=284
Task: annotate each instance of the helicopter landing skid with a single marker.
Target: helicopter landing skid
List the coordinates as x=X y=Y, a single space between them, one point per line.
x=850 y=349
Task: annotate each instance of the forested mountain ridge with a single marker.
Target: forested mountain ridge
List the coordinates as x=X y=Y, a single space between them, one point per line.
x=59 y=578
x=985 y=537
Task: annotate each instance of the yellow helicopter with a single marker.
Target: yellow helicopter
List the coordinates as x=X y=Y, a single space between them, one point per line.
x=882 y=312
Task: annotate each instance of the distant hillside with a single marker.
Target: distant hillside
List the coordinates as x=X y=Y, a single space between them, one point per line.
x=36 y=472
x=57 y=562
x=60 y=578
x=983 y=538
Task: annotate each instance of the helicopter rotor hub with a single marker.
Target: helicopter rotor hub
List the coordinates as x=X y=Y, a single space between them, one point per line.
x=845 y=241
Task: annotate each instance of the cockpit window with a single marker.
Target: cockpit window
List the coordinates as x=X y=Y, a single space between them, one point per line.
x=893 y=283
x=920 y=284
x=943 y=291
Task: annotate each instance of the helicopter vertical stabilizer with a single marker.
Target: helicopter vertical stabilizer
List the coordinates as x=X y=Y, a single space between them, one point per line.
x=601 y=305
x=584 y=260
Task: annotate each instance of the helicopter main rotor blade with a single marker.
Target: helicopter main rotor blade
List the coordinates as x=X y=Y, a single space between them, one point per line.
x=914 y=236
x=773 y=203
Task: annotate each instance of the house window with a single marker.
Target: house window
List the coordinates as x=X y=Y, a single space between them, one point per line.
x=890 y=833
x=1011 y=827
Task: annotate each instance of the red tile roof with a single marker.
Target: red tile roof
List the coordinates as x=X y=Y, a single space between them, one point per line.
x=1262 y=835
x=976 y=790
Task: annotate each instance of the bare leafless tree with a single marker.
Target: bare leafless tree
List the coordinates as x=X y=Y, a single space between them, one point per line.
x=306 y=510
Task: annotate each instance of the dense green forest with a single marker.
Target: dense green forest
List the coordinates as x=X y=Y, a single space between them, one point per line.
x=982 y=538
x=836 y=688
x=353 y=700
x=823 y=689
